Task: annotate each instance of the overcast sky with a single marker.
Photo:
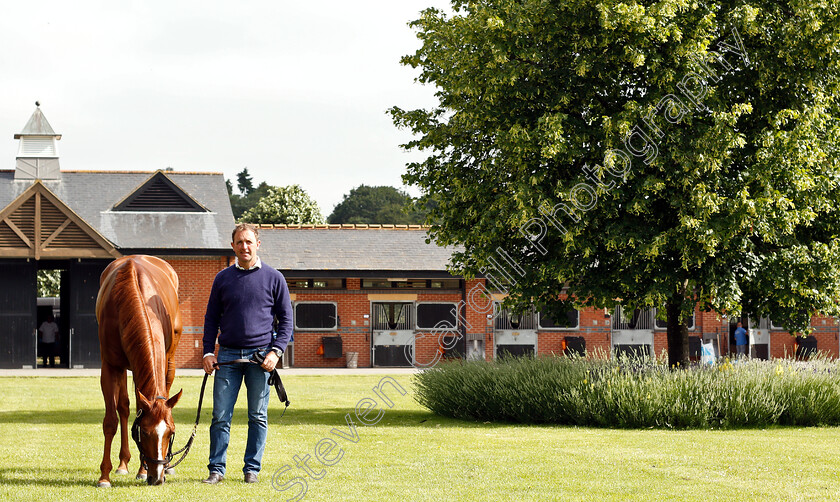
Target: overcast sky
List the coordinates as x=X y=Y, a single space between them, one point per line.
x=294 y=91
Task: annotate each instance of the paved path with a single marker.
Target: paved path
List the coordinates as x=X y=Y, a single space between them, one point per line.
x=60 y=372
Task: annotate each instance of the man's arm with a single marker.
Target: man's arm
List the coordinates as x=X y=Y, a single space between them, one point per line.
x=212 y=315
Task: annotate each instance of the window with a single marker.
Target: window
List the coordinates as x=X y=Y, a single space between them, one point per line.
x=316 y=316
x=375 y=283
x=569 y=321
x=773 y=325
x=509 y=320
x=663 y=324
x=438 y=316
x=411 y=283
x=315 y=283
x=393 y=316
x=636 y=319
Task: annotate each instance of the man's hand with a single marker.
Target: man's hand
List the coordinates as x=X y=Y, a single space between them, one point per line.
x=209 y=364
x=270 y=361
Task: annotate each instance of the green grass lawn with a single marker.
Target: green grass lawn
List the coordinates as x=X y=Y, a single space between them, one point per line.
x=51 y=446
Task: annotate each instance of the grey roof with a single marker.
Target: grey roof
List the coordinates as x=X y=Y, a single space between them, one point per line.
x=93 y=194
x=37 y=126
x=351 y=247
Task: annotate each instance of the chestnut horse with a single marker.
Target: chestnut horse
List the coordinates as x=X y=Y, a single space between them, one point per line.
x=139 y=328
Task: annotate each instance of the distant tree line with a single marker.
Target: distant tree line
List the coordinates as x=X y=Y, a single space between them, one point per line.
x=292 y=205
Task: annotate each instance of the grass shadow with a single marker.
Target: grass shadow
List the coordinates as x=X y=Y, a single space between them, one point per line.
x=48 y=477
x=335 y=417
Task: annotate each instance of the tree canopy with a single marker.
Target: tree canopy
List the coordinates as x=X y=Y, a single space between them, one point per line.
x=289 y=205
x=376 y=204
x=657 y=153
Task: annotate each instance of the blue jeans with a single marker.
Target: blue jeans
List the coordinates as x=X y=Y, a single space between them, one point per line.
x=226 y=384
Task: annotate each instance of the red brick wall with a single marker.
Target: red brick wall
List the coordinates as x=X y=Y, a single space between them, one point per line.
x=196 y=277
x=826 y=333
x=782 y=344
x=353 y=328
x=593 y=326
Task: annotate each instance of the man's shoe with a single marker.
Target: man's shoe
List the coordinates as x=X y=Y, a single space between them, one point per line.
x=214 y=478
x=251 y=477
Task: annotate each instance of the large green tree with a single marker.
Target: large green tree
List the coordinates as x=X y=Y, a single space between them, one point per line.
x=289 y=205
x=376 y=204
x=653 y=153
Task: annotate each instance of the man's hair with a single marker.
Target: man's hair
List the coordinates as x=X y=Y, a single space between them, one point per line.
x=240 y=227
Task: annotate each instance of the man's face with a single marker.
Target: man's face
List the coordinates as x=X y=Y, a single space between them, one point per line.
x=739 y=325
x=245 y=245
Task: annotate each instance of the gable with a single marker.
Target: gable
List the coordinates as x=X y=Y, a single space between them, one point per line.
x=159 y=194
x=37 y=224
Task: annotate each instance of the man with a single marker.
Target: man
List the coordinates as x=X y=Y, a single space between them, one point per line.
x=741 y=340
x=49 y=337
x=244 y=301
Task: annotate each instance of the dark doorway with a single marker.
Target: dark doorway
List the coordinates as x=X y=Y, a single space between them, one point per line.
x=733 y=325
x=49 y=304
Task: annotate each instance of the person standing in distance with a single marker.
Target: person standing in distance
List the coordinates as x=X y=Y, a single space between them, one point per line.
x=49 y=338
x=244 y=301
x=741 y=340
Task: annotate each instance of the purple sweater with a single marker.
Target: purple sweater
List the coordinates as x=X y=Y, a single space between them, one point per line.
x=243 y=304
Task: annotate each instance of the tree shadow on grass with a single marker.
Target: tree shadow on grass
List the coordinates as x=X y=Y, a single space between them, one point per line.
x=47 y=476
x=184 y=418
x=55 y=477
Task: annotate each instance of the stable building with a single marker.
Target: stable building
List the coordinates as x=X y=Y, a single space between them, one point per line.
x=380 y=295
x=362 y=295
x=79 y=221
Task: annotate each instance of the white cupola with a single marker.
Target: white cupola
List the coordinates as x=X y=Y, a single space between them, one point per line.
x=37 y=156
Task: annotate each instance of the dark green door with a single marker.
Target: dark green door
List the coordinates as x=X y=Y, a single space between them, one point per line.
x=18 y=314
x=84 y=334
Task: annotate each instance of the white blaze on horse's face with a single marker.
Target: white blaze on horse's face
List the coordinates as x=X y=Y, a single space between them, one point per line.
x=160 y=430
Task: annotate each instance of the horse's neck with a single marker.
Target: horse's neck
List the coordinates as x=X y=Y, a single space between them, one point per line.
x=149 y=370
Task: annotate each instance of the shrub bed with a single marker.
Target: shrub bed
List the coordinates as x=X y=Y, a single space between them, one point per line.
x=634 y=393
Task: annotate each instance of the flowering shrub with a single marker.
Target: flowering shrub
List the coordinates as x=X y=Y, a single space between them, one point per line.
x=633 y=393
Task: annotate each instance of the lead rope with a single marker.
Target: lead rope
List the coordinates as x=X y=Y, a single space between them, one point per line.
x=273 y=379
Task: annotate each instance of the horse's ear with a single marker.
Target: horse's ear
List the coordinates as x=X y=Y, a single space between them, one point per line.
x=172 y=401
x=142 y=402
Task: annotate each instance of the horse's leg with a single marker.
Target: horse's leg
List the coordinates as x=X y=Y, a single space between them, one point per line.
x=109 y=423
x=141 y=471
x=170 y=377
x=123 y=409
x=170 y=374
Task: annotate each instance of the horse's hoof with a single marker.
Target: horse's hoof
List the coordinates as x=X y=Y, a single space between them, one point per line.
x=121 y=472
x=141 y=477
x=103 y=484
x=169 y=471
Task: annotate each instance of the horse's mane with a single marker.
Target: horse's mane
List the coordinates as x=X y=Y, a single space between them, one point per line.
x=138 y=341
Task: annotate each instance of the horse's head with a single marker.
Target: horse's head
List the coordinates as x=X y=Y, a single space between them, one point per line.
x=153 y=431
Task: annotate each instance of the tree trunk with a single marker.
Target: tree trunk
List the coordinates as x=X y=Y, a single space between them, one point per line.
x=677 y=334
